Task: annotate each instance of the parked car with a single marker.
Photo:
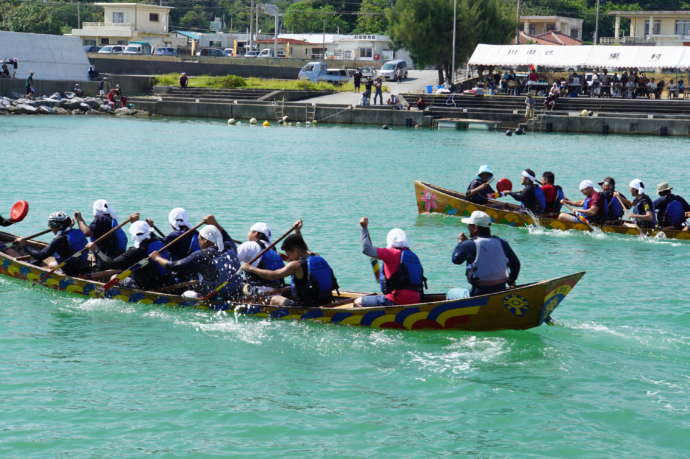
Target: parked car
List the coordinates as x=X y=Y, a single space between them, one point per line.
x=91 y=48
x=317 y=71
x=165 y=52
x=387 y=71
x=228 y=52
x=251 y=54
x=112 y=49
x=210 y=52
x=138 y=47
x=367 y=72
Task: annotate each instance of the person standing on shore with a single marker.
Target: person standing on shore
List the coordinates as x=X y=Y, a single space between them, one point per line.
x=184 y=80
x=357 y=78
x=15 y=65
x=29 y=86
x=378 y=86
x=367 y=92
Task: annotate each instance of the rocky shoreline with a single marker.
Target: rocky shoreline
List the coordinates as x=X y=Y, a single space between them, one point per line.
x=64 y=104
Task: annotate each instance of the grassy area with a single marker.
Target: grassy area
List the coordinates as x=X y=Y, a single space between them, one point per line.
x=234 y=81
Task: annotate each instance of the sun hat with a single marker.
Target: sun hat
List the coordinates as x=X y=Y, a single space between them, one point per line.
x=663 y=186
x=586 y=184
x=213 y=234
x=484 y=169
x=397 y=239
x=478 y=218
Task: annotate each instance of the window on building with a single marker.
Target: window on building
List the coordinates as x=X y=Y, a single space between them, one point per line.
x=105 y=41
x=118 y=17
x=366 y=52
x=153 y=17
x=318 y=53
x=532 y=29
x=657 y=27
x=89 y=42
x=574 y=32
x=550 y=27
x=683 y=27
x=122 y=42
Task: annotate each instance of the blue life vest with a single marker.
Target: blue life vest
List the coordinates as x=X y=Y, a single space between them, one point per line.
x=157 y=244
x=120 y=237
x=409 y=276
x=318 y=283
x=559 y=197
x=270 y=260
x=615 y=210
x=639 y=210
x=541 y=199
x=76 y=241
x=674 y=215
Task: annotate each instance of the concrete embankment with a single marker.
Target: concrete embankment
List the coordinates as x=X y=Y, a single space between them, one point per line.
x=243 y=109
x=612 y=124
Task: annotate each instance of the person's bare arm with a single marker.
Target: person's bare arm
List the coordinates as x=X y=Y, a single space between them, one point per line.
x=294 y=267
x=82 y=224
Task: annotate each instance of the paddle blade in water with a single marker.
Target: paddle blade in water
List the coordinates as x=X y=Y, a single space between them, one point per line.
x=504 y=185
x=19 y=211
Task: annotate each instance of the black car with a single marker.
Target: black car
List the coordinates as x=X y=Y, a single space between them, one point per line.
x=91 y=49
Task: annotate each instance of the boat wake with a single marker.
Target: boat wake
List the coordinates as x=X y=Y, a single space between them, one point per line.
x=461 y=356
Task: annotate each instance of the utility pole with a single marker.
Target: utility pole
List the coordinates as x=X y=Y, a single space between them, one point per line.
x=78 y=15
x=251 y=25
x=323 y=42
x=517 y=24
x=596 y=26
x=455 y=17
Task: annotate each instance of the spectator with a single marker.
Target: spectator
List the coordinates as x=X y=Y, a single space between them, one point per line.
x=672 y=90
x=357 y=78
x=421 y=105
x=101 y=88
x=681 y=88
x=5 y=71
x=77 y=90
x=398 y=74
x=184 y=80
x=394 y=101
x=93 y=74
x=659 y=89
x=367 y=92
x=550 y=102
x=529 y=106
x=15 y=65
x=630 y=89
x=29 y=86
x=378 y=86
x=605 y=84
x=651 y=88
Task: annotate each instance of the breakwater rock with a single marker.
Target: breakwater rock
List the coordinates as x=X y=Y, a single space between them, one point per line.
x=64 y=104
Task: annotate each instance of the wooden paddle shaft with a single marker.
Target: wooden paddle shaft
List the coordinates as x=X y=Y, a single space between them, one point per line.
x=41 y=233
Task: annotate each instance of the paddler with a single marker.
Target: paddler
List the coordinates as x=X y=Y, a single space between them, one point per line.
x=144 y=244
x=67 y=242
x=215 y=263
x=313 y=280
x=614 y=207
x=552 y=194
x=179 y=222
x=104 y=219
x=479 y=191
x=642 y=206
x=5 y=222
x=531 y=196
x=670 y=208
x=402 y=280
x=593 y=206
x=492 y=266
x=258 y=238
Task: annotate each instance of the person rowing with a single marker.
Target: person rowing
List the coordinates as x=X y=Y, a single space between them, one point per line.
x=492 y=266
x=313 y=280
x=178 y=218
x=592 y=206
x=258 y=238
x=144 y=243
x=104 y=219
x=552 y=194
x=402 y=278
x=642 y=206
x=479 y=190
x=214 y=263
x=614 y=207
x=67 y=242
x=531 y=196
x=6 y=222
x=670 y=208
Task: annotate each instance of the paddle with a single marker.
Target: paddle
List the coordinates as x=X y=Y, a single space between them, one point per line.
x=376 y=269
x=79 y=252
x=160 y=233
x=144 y=261
x=18 y=211
x=213 y=292
x=580 y=217
x=24 y=239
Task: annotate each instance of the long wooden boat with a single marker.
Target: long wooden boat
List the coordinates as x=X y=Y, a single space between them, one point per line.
x=523 y=307
x=435 y=199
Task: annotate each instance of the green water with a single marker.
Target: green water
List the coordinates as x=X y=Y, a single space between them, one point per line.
x=100 y=378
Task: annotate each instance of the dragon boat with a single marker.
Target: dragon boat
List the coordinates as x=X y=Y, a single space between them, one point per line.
x=439 y=200
x=522 y=307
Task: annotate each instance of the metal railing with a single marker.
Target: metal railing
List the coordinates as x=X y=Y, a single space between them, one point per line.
x=627 y=41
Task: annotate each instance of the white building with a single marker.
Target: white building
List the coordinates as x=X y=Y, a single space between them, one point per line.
x=125 y=22
x=365 y=47
x=666 y=28
x=538 y=25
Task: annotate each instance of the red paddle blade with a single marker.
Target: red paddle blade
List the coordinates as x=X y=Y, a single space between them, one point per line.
x=19 y=211
x=504 y=185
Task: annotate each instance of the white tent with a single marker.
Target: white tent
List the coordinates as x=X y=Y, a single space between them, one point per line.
x=613 y=57
x=50 y=57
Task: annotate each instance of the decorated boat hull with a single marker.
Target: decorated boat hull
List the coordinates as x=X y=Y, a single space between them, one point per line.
x=519 y=308
x=435 y=199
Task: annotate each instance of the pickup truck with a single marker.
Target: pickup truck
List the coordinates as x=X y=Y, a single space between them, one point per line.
x=317 y=71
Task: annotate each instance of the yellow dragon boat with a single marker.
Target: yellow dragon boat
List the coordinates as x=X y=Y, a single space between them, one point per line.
x=522 y=307
x=439 y=200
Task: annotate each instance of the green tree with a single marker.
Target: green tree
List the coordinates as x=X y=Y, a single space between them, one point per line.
x=373 y=18
x=31 y=17
x=195 y=19
x=425 y=29
x=304 y=17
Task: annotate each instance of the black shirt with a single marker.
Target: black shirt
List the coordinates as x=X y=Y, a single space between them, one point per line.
x=661 y=204
x=482 y=196
x=528 y=198
x=148 y=277
x=60 y=246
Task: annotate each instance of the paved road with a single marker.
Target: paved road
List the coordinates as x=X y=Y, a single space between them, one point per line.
x=416 y=82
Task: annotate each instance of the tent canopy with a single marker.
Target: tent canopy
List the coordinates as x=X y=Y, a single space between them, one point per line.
x=613 y=57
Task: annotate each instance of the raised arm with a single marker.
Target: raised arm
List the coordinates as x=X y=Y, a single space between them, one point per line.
x=367 y=247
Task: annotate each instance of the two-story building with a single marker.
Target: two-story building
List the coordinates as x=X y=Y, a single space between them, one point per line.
x=539 y=25
x=359 y=47
x=666 y=28
x=125 y=22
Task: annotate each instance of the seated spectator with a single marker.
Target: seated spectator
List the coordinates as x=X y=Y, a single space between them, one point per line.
x=5 y=73
x=77 y=90
x=421 y=105
x=672 y=90
x=394 y=100
x=681 y=88
x=651 y=88
x=659 y=89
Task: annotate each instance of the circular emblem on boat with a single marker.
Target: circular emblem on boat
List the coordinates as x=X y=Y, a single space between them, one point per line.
x=516 y=304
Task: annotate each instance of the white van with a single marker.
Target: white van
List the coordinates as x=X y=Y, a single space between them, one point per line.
x=387 y=71
x=317 y=71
